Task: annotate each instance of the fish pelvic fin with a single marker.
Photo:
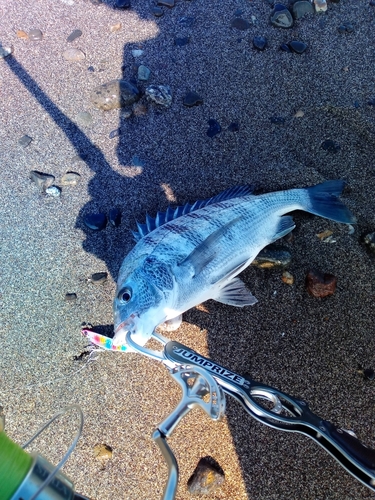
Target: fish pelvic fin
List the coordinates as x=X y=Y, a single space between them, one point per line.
x=286 y=225
x=325 y=203
x=236 y=294
x=171 y=324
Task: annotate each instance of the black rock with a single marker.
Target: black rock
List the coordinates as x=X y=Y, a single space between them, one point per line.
x=208 y=475
x=260 y=42
x=42 y=180
x=330 y=146
x=187 y=21
x=122 y=4
x=281 y=16
x=277 y=120
x=73 y=35
x=297 y=46
x=346 y=27
x=369 y=373
x=285 y=47
x=181 y=41
x=272 y=257
x=70 y=297
x=240 y=24
x=214 y=129
x=91 y=69
x=114 y=217
x=24 y=141
x=234 y=127
x=115 y=133
x=97 y=222
x=98 y=278
x=192 y=99
x=157 y=11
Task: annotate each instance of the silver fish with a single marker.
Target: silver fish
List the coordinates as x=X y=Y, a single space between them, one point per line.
x=193 y=253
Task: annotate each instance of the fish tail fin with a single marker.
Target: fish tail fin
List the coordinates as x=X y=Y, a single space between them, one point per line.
x=325 y=203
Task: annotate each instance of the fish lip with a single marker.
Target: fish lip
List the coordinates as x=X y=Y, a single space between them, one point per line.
x=127 y=322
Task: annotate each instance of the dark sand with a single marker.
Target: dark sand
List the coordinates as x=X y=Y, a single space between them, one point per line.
x=305 y=346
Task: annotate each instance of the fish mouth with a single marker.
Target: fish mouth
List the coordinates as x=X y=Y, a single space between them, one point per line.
x=121 y=330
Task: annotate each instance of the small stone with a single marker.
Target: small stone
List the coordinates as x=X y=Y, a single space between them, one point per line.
x=143 y=73
x=70 y=297
x=114 y=217
x=192 y=99
x=114 y=94
x=53 y=191
x=115 y=133
x=281 y=16
x=272 y=257
x=139 y=109
x=97 y=222
x=115 y=27
x=214 y=128
x=24 y=141
x=91 y=69
x=369 y=373
x=84 y=119
x=240 y=24
x=157 y=11
x=287 y=278
x=137 y=53
x=320 y=5
x=42 y=180
x=301 y=8
x=122 y=4
x=187 y=22
x=323 y=236
x=341 y=29
x=299 y=114
x=181 y=41
x=297 y=46
x=73 y=55
x=137 y=162
x=160 y=94
x=277 y=120
x=5 y=51
x=285 y=47
x=166 y=3
x=103 y=452
x=207 y=477
x=98 y=278
x=330 y=146
x=320 y=284
x=35 y=35
x=70 y=179
x=96 y=2
x=22 y=34
x=260 y=42
x=74 y=35
x=349 y=27
x=234 y=127
x=369 y=241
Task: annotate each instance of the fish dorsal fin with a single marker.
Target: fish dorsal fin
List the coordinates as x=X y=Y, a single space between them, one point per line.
x=207 y=250
x=173 y=213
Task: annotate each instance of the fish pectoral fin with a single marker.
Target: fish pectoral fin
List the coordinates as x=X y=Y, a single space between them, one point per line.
x=207 y=250
x=171 y=324
x=236 y=294
x=286 y=224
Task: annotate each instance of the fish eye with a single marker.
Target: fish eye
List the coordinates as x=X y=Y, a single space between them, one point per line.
x=125 y=295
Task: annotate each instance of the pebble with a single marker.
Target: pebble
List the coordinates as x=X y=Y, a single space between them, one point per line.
x=70 y=297
x=320 y=5
x=160 y=94
x=137 y=53
x=114 y=94
x=115 y=27
x=35 y=35
x=214 y=128
x=287 y=278
x=346 y=27
x=281 y=16
x=301 y=8
x=299 y=114
x=122 y=4
x=285 y=47
x=84 y=118
x=73 y=55
x=24 y=141
x=114 y=217
x=272 y=257
x=369 y=373
x=22 y=34
x=187 y=21
x=137 y=162
x=157 y=11
x=103 y=452
x=91 y=69
x=277 y=120
x=234 y=127
x=53 y=191
x=70 y=179
x=115 y=133
x=192 y=99
x=330 y=146
x=143 y=73
x=96 y=2
x=98 y=278
x=166 y=3
x=42 y=180
x=207 y=476
x=5 y=51
x=97 y=222
x=369 y=241
x=181 y=41
x=260 y=42
x=320 y=284
x=297 y=46
x=74 y=35
x=240 y=24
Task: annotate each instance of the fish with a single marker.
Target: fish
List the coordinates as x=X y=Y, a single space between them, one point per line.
x=195 y=252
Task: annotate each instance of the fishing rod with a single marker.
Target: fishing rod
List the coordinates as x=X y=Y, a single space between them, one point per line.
x=205 y=383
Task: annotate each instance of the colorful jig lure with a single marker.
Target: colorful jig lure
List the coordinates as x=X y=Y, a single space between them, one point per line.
x=102 y=341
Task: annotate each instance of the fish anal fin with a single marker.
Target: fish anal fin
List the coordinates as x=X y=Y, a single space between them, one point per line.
x=286 y=224
x=236 y=294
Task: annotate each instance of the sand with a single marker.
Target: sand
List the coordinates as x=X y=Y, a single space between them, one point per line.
x=305 y=346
